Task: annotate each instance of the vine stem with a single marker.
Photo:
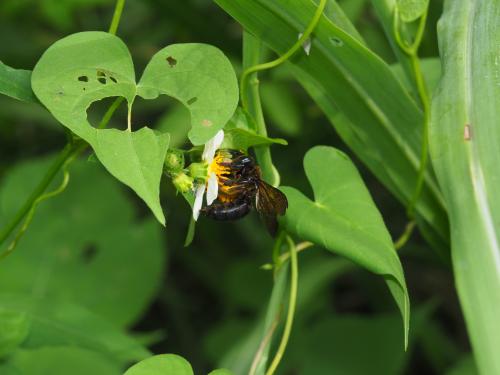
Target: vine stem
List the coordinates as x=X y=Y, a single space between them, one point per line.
x=117 y=15
x=291 y=308
x=411 y=50
x=280 y=60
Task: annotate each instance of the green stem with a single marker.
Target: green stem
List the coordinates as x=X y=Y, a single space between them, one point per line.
x=424 y=155
x=280 y=60
x=403 y=239
x=291 y=308
x=251 y=54
x=39 y=190
x=116 y=16
x=411 y=49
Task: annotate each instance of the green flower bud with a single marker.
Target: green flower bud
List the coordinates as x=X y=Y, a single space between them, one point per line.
x=174 y=161
x=183 y=182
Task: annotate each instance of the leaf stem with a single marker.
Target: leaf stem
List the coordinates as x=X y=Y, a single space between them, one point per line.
x=291 y=308
x=117 y=14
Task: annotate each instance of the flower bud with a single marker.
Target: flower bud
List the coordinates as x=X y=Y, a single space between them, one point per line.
x=174 y=161
x=182 y=182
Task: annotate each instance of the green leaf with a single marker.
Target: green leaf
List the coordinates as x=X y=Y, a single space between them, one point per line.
x=53 y=323
x=343 y=219
x=14 y=328
x=16 y=83
x=381 y=122
x=85 y=67
x=62 y=360
x=162 y=364
x=412 y=10
x=200 y=77
x=137 y=157
x=88 y=266
x=465 y=140
x=239 y=133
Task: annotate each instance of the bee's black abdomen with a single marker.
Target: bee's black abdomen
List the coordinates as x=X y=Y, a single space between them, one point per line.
x=227 y=211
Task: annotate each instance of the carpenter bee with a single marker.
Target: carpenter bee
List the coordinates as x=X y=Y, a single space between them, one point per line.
x=241 y=188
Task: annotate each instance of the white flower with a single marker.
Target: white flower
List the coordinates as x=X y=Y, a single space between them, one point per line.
x=211 y=186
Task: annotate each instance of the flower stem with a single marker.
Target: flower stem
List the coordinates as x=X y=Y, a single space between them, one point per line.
x=291 y=308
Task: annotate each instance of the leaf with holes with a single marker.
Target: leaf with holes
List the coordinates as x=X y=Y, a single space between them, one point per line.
x=412 y=10
x=239 y=133
x=343 y=219
x=200 y=77
x=86 y=67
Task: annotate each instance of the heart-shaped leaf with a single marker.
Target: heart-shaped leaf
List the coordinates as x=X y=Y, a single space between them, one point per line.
x=85 y=67
x=200 y=77
x=343 y=219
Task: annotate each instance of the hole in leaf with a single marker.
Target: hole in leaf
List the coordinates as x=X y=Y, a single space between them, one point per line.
x=165 y=114
x=97 y=109
x=113 y=79
x=83 y=79
x=337 y=42
x=102 y=80
x=171 y=61
x=89 y=252
x=192 y=100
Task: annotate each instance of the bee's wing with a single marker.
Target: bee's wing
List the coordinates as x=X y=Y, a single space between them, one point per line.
x=269 y=203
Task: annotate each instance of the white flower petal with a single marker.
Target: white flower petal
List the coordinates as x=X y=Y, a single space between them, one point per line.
x=212 y=188
x=212 y=145
x=198 y=201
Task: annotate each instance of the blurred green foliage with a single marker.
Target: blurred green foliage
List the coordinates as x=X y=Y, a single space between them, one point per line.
x=104 y=274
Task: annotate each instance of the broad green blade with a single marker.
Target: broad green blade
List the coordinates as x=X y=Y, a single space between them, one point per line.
x=382 y=122
x=465 y=150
